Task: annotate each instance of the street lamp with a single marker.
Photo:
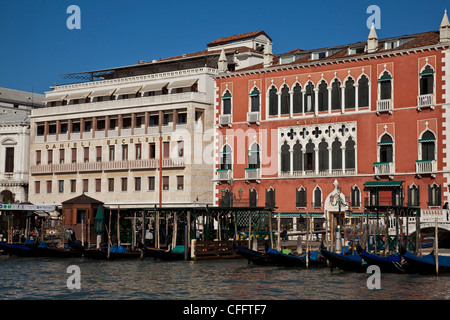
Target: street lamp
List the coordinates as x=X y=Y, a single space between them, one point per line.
x=232 y=195
x=339 y=202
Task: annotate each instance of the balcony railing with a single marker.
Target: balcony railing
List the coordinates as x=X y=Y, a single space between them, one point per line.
x=224 y=174
x=430 y=215
x=384 y=105
x=384 y=168
x=321 y=173
x=425 y=101
x=253 y=117
x=383 y=202
x=252 y=173
x=224 y=119
x=425 y=166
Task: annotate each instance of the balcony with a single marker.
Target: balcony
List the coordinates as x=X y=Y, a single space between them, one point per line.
x=224 y=174
x=383 y=202
x=426 y=167
x=253 y=117
x=320 y=173
x=253 y=174
x=384 y=168
x=425 y=101
x=225 y=120
x=384 y=106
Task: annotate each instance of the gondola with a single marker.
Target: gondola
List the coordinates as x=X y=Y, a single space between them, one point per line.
x=21 y=250
x=31 y=249
x=115 y=253
x=286 y=259
x=390 y=264
x=253 y=256
x=176 y=253
x=427 y=263
x=350 y=262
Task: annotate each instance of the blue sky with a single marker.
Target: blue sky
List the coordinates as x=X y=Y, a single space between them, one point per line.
x=37 y=47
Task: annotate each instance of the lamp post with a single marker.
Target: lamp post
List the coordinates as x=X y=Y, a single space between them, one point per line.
x=232 y=197
x=339 y=202
x=99 y=223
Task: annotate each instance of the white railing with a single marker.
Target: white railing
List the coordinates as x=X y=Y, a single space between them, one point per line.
x=89 y=166
x=64 y=167
x=224 y=119
x=41 y=168
x=224 y=174
x=253 y=174
x=142 y=164
x=384 y=168
x=425 y=166
x=253 y=117
x=384 y=105
x=430 y=215
x=172 y=162
x=425 y=100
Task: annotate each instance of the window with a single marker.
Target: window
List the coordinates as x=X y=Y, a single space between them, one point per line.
x=385 y=86
x=226 y=158
x=350 y=94
x=87 y=126
x=85 y=185
x=309 y=97
x=74 y=155
x=61 y=155
x=182 y=118
x=113 y=123
x=254 y=100
x=110 y=184
x=101 y=125
x=434 y=195
x=427 y=146
x=317 y=200
x=426 y=80
x=61 y=186
x=9 y=159
x=253 y=198
x=151 y=183
x=124 y=184
x=49 y=156
x=40 y=130
x=355 y=197
x=98 y=185
x=124 y=152
x=126 y=123
x=180 y=182
x=38 y=157
x=297 y=157
x=254 y=160
x=166 y=149
x=49 y=186
x=336 y=95
x=111 y=153
x=297 y=99
x=226 y=102
x=86 y=154
x=138 y=151
x=137 y=184
x=152 y=150
x=98 y=151
x=270 y=197
x=180 y=145
x=336 y=154
x=76 y=127
x=363 y=91
x=37 y=187
x=73 y=186
x=300 y=198
x=273 y=101
x=165 y=182
x=385 y=148
x=323 y=96
x=323 y=156
x=285 y=158
x=52 y=129
x=309 y=156
x=285 y=100
x=350 y=154
x=153 y=121
x=413 y=196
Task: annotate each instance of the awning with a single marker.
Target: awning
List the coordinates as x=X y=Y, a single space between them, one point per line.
x=182 y=83
x=78 y=95
x=391 y=183
x=153 y=87
x=128 y=90
x=102 y=93
x=56 y=97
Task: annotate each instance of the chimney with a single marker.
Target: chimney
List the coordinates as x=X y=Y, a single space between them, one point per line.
x=268 y=56
x=223 y=65
x=372 y=40
x=444 y=29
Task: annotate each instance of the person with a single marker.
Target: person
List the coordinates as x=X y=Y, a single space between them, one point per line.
x=148 y=237
x=283 y=233
x=71 y=235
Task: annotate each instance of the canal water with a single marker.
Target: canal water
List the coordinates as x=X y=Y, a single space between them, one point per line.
x=46 y=278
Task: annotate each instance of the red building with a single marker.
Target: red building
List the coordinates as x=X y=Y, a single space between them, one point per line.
x=367 y=122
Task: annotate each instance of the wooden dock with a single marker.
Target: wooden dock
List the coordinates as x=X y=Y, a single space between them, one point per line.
x=211 y=250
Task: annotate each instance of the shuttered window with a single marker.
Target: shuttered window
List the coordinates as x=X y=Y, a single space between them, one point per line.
x=363 y=92
x=9 y=159
x=273 y=102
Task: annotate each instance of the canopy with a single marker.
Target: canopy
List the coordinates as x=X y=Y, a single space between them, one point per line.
x=391 y=183
x=182 y=83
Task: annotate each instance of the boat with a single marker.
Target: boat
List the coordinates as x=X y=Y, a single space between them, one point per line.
x=286 y=258
x=427 y=263
x=389 y=264
x=115 y=253
x=176 y=253
x=21 y=250
x=253 y=256
x=345 y=262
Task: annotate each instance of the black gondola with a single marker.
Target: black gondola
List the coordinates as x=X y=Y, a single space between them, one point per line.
x=253 y=256
x=176 y=253
x=42 y=250
x=344 y=262
x=427 y=263
x=286 y=259
x=390 y=264
x=115 y=253
x=21 y=250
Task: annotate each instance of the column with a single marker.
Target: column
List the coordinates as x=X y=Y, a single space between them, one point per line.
x=107 y=119
x=303 y=102
x=291 y=103
x=356 y=85
x=303 y=161
x=343 y=98
x=316 y=160
x=94 y=126
x=133 y=122
x=58 y=128
x=330 y=168
x=343 y=158
x=120 y=124
x=147 y=121
x=329 y=99
x=279 y=103
x=291 y=162
x=69 y=128
x=45 y=130
x=316 y=101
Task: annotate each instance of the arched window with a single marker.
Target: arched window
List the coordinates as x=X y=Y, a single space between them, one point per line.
x=336 y=95
x=350 y=154
x=226 y=102
x=336 y=154
x=285 y=100
x=323 y=155
x=317 y=200
x=285 y=158
x=350 y=93
x=273 y=101
x=385 y=86
x=428 y=147
x=355 y=197
x=254 y=100
x=254 y=160
x=225 y=159
x=270 y=197
x=297 y=157
x=427 y=80
x=309 y=97
x=309 y=156
x=413 y=196
x=300 y=198
x=323 y=96
x=363 y=91
x=253 y=197
x=434 y=195
x=386 y=148
x=297 y=99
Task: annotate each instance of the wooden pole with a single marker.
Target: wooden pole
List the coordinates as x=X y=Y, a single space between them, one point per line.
x=157 y=230
x=133 y=245
x=109 y=232
x=175 y=230
x=89 y=232
x=308 y=226
x=327 y=217
x=188 y=219
x=249 y=230
x=279 y=231
x=270 y=229
x=436 y=245
x=118 y=225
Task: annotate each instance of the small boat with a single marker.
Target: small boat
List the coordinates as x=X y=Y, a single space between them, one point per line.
x=43 y=250
x=253 y=256
x=345 y=262
x=286 y=258
x=390 y=264
x=115 y=253
x=176 y=253
x=21 y=250
x=427 y=263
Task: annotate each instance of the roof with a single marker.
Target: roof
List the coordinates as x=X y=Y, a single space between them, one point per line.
x=13 y=118
x=390 y=183
x=82 y=199
x=21 y=97
x=238 y=37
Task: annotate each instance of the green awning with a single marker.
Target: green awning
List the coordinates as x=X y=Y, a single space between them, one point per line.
x=391 y=183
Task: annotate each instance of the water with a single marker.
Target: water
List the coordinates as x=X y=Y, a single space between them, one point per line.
x=46 y=278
